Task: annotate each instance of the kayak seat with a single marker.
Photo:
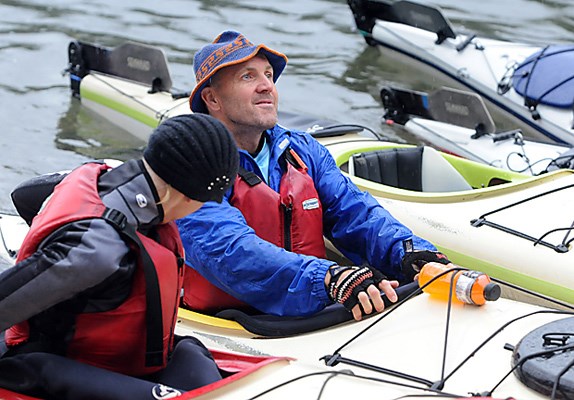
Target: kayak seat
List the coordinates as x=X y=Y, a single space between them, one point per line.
x=420 y=169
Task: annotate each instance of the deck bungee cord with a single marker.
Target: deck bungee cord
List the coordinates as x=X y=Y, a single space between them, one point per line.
x=565 y=243
x=438 y=385
x=349 y=374
x=336 y=358
x=526 y=71
x=562 y=161
x=518 y=138
x=563 y=247
x=525 y=158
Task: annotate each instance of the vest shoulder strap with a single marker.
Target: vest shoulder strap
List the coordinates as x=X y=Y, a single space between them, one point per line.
x=250 y=177
x=154 y=320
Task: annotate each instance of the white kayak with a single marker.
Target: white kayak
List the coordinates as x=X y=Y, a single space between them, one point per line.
x=421 y=347
x=410 y=351
x=459 y=123
x=532 y=84
x=512 y=226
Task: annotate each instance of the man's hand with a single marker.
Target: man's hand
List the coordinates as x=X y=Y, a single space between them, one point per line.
x=359 y=289
x=372 y=297
x=413 y=261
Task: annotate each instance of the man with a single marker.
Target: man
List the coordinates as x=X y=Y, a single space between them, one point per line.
x=263 y=246
x=90 y=307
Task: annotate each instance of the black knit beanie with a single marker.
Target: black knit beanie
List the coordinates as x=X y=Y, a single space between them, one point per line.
x=195 y=154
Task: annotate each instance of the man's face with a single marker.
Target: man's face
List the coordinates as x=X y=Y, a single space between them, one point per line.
x=246 y=96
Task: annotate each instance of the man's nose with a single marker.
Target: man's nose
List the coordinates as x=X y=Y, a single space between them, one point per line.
x=265 y=84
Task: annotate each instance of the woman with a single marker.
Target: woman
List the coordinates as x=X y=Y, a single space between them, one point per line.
x=91 y=305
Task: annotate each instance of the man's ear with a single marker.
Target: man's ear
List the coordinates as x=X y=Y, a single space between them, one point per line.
x=209 y=98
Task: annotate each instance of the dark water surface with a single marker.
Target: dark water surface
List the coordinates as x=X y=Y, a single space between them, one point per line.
x=331 y=74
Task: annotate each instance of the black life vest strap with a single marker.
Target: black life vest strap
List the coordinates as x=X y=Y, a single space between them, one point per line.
x=154 y=318
x=250 y=177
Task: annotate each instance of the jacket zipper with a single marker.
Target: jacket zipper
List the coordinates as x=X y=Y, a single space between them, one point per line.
x=287 y=220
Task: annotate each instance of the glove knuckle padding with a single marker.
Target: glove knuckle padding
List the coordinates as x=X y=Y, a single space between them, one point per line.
x=345 y=290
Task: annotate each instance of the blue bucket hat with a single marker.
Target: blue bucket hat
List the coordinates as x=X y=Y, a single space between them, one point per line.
x=229 y=48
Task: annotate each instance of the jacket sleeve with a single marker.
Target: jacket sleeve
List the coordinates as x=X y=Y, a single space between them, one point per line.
x=76 y=258
x=354 y=221
x=226 y=251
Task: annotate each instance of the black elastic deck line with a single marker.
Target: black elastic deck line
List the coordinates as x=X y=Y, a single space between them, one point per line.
x=337 y=358
x=561 y=248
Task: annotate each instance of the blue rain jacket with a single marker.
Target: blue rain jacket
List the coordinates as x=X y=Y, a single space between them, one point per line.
x=225 y=250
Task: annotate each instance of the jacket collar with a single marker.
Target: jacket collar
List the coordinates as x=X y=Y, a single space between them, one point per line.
x=129 y=189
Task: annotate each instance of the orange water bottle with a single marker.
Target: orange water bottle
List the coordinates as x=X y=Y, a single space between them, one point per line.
x=470 y=287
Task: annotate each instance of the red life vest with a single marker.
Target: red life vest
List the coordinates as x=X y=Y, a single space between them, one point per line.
x=292 y=219
x=116 y=339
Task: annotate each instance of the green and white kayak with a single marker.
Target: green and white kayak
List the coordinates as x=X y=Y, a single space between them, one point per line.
x=513 y=227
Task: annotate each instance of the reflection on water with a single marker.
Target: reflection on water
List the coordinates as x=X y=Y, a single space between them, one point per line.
x=82 y=131
x=371 y=70
x=332 y=73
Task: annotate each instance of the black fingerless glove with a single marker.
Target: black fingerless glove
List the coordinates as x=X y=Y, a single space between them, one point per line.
x=413 y=261
x=346 y=290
